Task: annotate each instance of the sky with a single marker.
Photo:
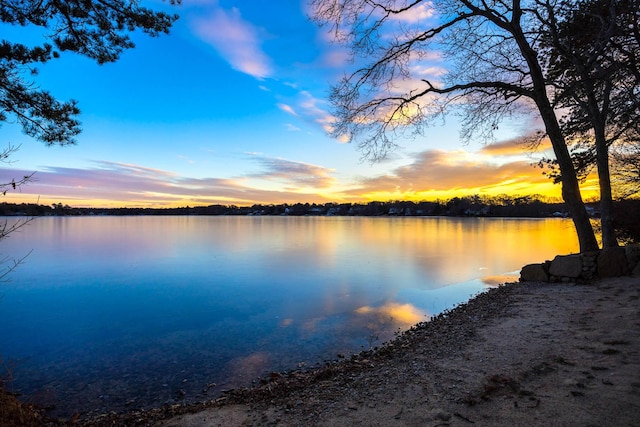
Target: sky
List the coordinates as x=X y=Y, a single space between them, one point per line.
x=231 y=108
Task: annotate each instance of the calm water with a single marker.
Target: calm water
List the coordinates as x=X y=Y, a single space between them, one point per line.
x=127 y=312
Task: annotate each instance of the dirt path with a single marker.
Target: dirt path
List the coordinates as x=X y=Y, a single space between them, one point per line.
x=524 y=354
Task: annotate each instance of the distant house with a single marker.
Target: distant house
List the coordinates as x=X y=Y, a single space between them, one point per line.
x=395 y=211
x=593 y=212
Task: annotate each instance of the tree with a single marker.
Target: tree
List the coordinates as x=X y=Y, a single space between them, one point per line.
x=494 y=70
x=7 y=263
x=97 y=29
x=626 y=170
x=592 y=53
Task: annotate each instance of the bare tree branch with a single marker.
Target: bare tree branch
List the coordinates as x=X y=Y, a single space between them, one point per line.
x=490 y=52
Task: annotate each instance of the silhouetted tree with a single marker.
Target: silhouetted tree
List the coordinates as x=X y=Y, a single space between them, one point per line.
x=626 y=170
x=95 y=29
x=8 y=263
x=626 y=221
x=592 y=57
x=492 y=50
x=13 y=184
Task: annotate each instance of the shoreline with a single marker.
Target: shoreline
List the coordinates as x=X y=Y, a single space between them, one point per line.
x=534 y=353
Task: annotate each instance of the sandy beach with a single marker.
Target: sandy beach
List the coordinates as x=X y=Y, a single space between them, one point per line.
x=536 y=354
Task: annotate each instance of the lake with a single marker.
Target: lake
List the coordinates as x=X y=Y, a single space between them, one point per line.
x=116 y=313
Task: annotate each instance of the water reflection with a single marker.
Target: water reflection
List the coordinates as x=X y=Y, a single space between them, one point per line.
x=500 y=279
x=131 y=307
x=390 y=313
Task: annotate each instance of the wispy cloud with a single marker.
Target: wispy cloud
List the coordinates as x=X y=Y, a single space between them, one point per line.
x=516 y=147
x=426 y=70
x=295 y=175
x=236 y=40
x=417 y=13
x=305 y=106
x=315 y=110
x=335 y=57
x=287 y=109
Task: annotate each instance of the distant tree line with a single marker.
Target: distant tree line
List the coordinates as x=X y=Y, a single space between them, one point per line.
x=626 y=218
x=473 y=206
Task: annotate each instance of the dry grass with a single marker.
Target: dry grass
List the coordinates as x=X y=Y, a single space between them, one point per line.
x=15 y=413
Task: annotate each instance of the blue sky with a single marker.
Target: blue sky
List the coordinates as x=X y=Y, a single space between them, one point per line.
x=231 y=108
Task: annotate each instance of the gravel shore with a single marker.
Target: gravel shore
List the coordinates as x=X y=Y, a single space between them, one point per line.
x=535 y=354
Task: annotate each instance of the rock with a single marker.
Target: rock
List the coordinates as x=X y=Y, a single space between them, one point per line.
x=633 y=255
x=636 y=271
x=441 y=415
x=589 y=258
x=566 y=266
x=534 y=273
x=612 y=262
x=589 y=265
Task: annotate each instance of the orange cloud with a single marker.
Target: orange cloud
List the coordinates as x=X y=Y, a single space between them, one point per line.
x=517 y=146
x=444 y=174
x=445 y=171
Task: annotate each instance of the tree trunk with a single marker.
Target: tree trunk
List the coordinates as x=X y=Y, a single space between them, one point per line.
x=570 y=188
x=598 y=113
x=606 y=199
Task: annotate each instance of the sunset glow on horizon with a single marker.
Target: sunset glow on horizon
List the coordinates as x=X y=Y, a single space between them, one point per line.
x=231 y=108
x=113 y=185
